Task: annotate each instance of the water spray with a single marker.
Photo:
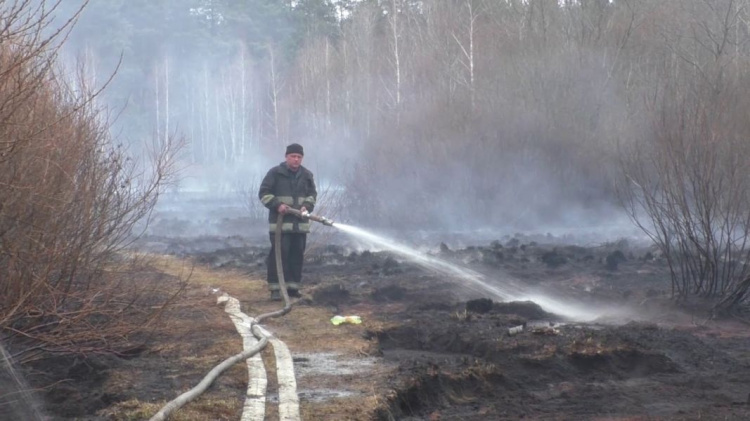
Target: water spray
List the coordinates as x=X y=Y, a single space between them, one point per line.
x=506 y=289
x=477 y=282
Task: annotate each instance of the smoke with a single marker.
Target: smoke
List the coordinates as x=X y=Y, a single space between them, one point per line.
x=527 y=141
x=539 y=157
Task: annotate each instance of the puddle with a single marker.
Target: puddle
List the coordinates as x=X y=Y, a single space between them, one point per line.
x=330 y=364
x=316 y=395
x=322 y=395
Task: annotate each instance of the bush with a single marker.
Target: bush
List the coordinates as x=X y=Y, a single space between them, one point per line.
x=553 y=259
x=614 y=259
x=70 y=199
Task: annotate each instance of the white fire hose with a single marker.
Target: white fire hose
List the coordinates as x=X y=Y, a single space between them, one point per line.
x=257 y=331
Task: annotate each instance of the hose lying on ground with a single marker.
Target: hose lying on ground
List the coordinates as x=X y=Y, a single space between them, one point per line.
x=212 y=375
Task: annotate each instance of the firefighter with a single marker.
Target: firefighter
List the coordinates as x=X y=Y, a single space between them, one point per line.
x=286 y=185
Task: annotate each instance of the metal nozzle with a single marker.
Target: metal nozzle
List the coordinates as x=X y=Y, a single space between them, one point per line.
x=322 y=219
x=306 y=215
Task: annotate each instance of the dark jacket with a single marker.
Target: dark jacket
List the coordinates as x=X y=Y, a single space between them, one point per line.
x=296 y=189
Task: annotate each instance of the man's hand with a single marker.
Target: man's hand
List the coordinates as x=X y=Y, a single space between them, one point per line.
x=282 y=208
x=303 y=210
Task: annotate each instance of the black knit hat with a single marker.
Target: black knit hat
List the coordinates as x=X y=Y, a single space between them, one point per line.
x=295 y=148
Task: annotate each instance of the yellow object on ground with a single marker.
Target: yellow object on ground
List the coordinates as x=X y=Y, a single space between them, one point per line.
x=337 y=320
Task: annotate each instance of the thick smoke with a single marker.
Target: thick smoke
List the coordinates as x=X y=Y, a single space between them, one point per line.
x=433 y=115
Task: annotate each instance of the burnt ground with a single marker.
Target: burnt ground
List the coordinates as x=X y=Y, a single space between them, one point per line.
x=449 y=352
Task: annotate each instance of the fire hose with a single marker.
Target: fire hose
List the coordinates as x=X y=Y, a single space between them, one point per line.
x=212 y=375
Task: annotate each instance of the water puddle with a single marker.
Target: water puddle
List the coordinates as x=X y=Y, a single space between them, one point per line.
x=330 y=364
x=324 y=369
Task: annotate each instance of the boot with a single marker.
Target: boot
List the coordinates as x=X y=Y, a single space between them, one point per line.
x=276 y=295
x=293 y=293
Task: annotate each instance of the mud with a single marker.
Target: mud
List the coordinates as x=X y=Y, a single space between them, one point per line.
x=456 y=357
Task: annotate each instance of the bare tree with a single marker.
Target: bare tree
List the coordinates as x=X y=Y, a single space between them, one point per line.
x=276 y=86
x=395 y=30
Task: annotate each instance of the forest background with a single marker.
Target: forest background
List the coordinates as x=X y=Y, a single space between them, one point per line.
x=456 y=106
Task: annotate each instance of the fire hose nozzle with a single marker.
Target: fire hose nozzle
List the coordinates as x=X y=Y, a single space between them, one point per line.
x=325 y=221
x=306 y=215
x=322 y=219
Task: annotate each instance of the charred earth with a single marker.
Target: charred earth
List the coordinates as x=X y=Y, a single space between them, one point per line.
x=451 y=353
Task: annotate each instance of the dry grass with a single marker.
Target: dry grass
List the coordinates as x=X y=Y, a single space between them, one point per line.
x=200 y=410
x=343 y=409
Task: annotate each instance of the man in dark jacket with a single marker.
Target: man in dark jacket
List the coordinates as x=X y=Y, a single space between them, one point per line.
x=288 y=185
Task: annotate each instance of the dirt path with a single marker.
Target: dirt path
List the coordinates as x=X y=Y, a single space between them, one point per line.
x=330 y=361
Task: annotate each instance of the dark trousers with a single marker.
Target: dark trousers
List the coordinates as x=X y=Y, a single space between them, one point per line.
x=292 y=255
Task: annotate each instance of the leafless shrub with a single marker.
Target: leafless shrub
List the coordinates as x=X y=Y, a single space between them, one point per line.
x=248 y=194
x=686 y=186
x=70 y=200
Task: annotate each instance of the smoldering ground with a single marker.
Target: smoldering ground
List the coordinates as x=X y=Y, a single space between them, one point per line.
x=441 y=352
